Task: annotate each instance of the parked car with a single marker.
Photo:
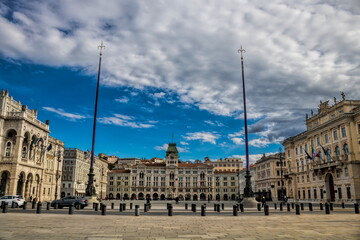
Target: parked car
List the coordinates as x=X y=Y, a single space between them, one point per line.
x=17 y=199
x=77 y=201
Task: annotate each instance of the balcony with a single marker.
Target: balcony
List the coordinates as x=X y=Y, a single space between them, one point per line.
x=321 y=165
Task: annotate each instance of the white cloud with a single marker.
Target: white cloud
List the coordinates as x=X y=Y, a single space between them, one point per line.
x=259 y=142
x=252 y=158
x=238 y=141
x=210 y=137
x=61 y=112
x=125 y=121
x=122 y=100
x=214 y=123
x=191 y=50
x=164 y=147
x=184 y=143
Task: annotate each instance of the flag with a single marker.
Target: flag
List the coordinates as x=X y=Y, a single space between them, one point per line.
x=315 y=153
x=324 y=150
x=308 y=155
x=49 y=147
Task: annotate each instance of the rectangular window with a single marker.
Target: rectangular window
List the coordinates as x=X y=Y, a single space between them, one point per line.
x=335 y=135
x=346 y=172
x=180 y=171
x=299 y=196
x=343 y=132
x=339 y=193
x=348 y=192
x=318 y=141
x=304 y=197
x=315 y=194
x=309 y=194
x=326 y=138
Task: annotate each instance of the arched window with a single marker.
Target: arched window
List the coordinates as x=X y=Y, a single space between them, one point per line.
x=171 y=176
x=337 y=152
x=141 y=175
x=202 y=175
x=8 y=149
x=24 y=151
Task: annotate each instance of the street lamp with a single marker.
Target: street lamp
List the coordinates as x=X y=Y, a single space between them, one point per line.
x=218 y=188
x=57 y=173
x=281 y=175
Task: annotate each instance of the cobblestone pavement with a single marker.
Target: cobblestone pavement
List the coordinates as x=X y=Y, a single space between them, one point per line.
x=184 y=224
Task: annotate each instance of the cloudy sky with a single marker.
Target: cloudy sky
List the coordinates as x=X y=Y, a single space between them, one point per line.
x=171 y=68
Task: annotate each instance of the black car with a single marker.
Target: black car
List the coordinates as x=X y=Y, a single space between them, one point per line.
x=76 y=201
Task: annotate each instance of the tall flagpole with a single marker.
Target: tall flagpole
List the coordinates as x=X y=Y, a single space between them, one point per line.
x=247 y=190
x=90 y=189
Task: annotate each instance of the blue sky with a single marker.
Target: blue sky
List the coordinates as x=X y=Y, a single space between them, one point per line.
x=174 y=69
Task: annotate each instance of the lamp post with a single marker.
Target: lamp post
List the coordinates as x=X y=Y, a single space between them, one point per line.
x=281 y=176
x=218 y=188
x=90 y=188
x=57 y=173
x=248 y=189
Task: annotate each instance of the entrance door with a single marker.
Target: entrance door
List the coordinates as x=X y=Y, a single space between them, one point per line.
x=330 y=191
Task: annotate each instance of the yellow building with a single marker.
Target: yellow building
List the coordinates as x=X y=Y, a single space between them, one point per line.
x=30 y=158
x=323 y=162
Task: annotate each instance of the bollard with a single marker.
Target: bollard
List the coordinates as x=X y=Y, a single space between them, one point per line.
x=275 y=206
x=4 y=207
x=137 y=211
x=281 y=206
x=222 y=206
x=131 y=206
x=48 y=206
x=302 y=206
x=288 y=207
x=145 y=207
x=258 y=207
x=96 y=207
x=33 y=204
x=170 y=210
x=124 y=206
x=266 y=210
x=241 y=207
x=71 y=209
x=112 y=205
x=101 y=205
x=292 y=205
x=327 y=208
x=331 y=207
x=38 y=209
x=356 y=208
x=13 y=204
x=103 y=210
x=24 y=205
x=310 y=207
x=297 y=209
x=167 y=205
x=194 y=207
x=186 y=206
x=235 y=212
x=120 y=207
x=203 y=210
x=343 y=205
x=215 y=207
x=321 y=206
x=56 y=205
x=218 y=207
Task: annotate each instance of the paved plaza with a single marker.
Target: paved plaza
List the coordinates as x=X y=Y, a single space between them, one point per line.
x=184 y=224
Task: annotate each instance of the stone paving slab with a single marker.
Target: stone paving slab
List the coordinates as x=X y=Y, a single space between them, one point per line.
x=88 y=224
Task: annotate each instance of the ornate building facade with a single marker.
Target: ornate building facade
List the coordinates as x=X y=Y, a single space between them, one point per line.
x=323 y=162
x=269 y=177
x=30 y=159
x=75 y=173
x=163 y=179
x=227 y=164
